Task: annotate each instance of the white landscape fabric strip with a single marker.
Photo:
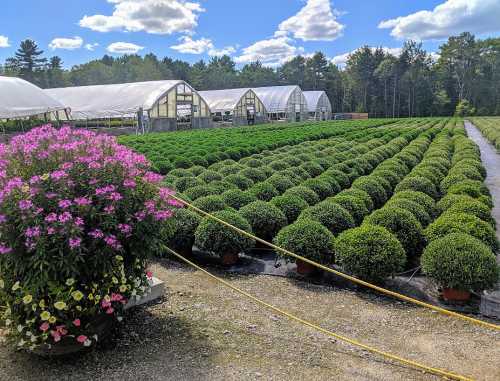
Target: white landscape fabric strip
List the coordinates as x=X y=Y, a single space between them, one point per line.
x=19 y=99
x=223 y=100
x=112 y=101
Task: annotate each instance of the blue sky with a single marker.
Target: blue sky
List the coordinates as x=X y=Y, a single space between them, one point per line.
x=270 y=30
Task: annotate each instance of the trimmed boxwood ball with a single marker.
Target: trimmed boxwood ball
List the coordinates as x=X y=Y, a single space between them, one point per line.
x=473 y=207
x=254 y=174
x=469 y=171
x=312 y=168
x=452 y=199
x=331 y=215
x=370 y=252
x=210 y=204
x=214 y=237
x=371 y=186
x=390 y=176
x=460 y=261
x=265 y=219
x=341 y=178
x=196 y=170
x=462 y=223
x=290 y=205
x=354 y=205
x=183 y=183
x=307 y=194
x=332 y=182
x=264 y=191
x=418 y=197
x=280 y=182
x=200 y=191
x=470 y=187
x=320 y=187
x=236 y=198
x=385 y=184
x=185 y=223
x=208 y=176
x=221 y=186
x=417 y=210
x=180 y=172
x=419 y=184
x=230 y=169
x=309 y=239
x=300 y=172
x=240 y=181
x=451 y=180
x=403 y=225
x=361 y=194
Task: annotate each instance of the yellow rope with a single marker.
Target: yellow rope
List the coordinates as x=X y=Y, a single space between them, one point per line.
x=345 y=276
x=414 y=364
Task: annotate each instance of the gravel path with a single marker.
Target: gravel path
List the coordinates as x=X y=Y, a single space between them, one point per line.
x=202 y=331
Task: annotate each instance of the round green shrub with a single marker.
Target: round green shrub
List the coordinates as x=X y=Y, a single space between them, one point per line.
x=331 y=215
x=290 y=205
x=418 y=197
x=308 y=239
x=264 y=218
x=473 y=207
x=264 y=191
x=183 y=183
x=332 y=183
x=354 y=205
x=300 y=172
x=185 y=223
x=182 y=162
x=451 y=180
x=312 y=168
x=236 y=198
x=200 y=191
x=180 y=172
x=254 y=174
x=196 y=170
x=370 y=252
x=469 y=171
x=230 y=169
x=419 y=184
x=213 y=236
x=392 y=177
x=280 y=182
x=341 y=178
x=460 y=261
x=471 y=188
x=320 y=187
x=418 y=210
x=208 y=176
x=371 y=186
x=462 y=223
x=240 y=181
x=307 y=194
x=210 y=204
x=403 y=225
x=360 y=194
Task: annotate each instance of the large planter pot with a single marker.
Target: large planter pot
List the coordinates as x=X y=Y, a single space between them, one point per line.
x=229 y=259
x=454 y=295
x=102 y=326
x=305 y=269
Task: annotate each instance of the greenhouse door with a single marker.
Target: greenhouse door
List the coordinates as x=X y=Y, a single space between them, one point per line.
x=184 y=115
x=250 y=114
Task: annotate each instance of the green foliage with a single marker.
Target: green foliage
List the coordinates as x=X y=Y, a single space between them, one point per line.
x=464 y=108
x=331 y=215
x=370 y=252
x=213 y=236
x=371 y=186
x=184 y=223
x=183 y=183
x=290 y=205
x=418 y=210
x=309 y=239
x=360 y=194
x=418 y=184
x=264 y=191
x=210 y=204
x=320 y=187
x=418 y=197
x=460 y=261
x=307 y=194
x=264 y=218
x=240 y=181
x=236 y=198
x=354 y=205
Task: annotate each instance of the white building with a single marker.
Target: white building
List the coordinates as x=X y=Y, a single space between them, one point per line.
x=285 y=103
x=319 y=106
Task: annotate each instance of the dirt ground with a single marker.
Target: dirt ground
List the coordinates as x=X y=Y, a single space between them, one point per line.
x=204 y=331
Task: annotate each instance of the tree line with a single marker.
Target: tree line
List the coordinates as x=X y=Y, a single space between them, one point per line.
x=463 y=79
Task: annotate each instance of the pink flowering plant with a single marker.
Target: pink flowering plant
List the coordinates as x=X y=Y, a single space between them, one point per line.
x=79 y=217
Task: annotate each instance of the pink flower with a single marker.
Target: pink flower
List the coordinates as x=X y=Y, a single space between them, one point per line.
x=25 y=204
x=64 y=204
x=57 y=175
x=2 y=219
x=75 y=242
x=96 y=234
x=152 y=177
x=65 y=217
x=77 y=323
x=44 y=327
x=82 y=201
x=56 y=336
x=149 y=274
x=51 y=230
x=79 y=221
x=125 y=229
x=109 y=209
x=115 y=196
x=110 y=310
x=61 y=329
x=128 y=183
x=51 y=217
x=33 y=232
x=116 y=297
x=81 y=339
x=4 y=249
x=105 y=303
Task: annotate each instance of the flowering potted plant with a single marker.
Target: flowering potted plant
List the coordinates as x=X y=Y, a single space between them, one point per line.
x=79 y=217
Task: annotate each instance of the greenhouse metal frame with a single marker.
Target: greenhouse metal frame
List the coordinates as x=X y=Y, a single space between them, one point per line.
x=283 y=103
x=167 y=105
x=319 y=105
x=240 y=107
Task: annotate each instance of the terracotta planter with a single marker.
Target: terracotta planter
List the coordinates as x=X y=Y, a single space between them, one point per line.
x=102 y=327
x=229 y=259
x=305 y=269
x=454 y=295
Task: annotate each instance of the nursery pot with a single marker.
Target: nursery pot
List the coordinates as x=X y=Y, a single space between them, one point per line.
x=304 y=268
x=454 y=295
x=229 y=259
x=185 y=251
x=102 y=326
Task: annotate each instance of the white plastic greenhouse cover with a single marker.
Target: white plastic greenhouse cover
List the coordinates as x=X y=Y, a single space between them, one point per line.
x=313 y=98
x=275 y=98
x=223 y=100
x=112 y=101
x=20 y=99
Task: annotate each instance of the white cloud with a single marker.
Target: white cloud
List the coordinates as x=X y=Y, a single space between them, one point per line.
x=66 y=43
x=203 y=45
x=271 y=52
x=91 y=47
x=124 y=48
x=151 y=16
x=449 y=18
x=4 y=42
x=341 y=60
x=316 y=21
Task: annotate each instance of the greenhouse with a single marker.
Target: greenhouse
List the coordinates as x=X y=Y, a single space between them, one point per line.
x=23 y=102
x=240 y=107
x=319 y=105
x=283 y=103
x=144 y=106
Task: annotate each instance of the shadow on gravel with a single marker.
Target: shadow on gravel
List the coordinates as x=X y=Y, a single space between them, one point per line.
x=148 y=346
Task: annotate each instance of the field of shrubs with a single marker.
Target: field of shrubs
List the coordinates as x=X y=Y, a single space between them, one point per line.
x=372 y=199
x=490 y=128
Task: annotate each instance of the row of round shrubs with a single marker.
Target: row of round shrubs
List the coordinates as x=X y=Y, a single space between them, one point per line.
x=462 y=240
x=490 y=128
